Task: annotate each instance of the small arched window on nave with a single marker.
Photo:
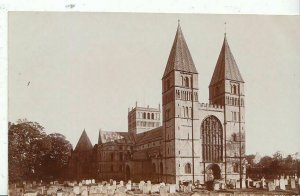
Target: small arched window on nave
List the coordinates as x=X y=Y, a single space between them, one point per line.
x=187 y=168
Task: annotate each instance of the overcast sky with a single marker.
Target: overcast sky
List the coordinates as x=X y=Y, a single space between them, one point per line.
x=86 y=69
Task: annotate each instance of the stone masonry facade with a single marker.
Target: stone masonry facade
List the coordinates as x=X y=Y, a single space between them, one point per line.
x=184 y=140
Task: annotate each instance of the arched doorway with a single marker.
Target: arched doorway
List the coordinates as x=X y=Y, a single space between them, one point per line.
x=214 y=170
x=127 y=173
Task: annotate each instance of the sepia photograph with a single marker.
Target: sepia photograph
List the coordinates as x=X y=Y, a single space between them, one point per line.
x=153 y=104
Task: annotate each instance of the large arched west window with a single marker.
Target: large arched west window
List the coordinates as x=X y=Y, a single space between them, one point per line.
x=212 y=139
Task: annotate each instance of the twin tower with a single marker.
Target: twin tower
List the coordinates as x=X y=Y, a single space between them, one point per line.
x=202 y=141
x=195 y=142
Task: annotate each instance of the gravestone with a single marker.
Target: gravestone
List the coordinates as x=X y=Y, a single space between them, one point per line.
x=111 y=181
x=248 y=182
x=84 y=193
x=121 y=183
x=243 y=183
x=110 y=191
x=141 y=184
x=155 y=188
x=216 y=186
x=257 y=185
x=276 y=183
x=190 y=187
x=271 y=186
x=282 y=184
x=114 y=183
x=293 y=184
x=263 y=182
x=93 y=181
x=172 y=188
x=104 y=189
x=128 y=186
x=237 y=184
x=145 y=189
x=149 y=186
x=80 y=184
x=163 y=191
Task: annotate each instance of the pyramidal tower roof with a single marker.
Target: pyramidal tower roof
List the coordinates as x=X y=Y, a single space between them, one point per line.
x=84 y=143
x=226 y=67
x=180 y=57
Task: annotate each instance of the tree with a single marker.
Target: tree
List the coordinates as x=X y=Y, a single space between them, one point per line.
x=55 y=162
x=34 y=155
x=27 y=146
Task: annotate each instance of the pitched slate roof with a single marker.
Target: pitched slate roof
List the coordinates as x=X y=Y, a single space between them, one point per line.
x=149 y=136
x=84 y=143
x=226 y=67
x=116 y=137
x=180 y=57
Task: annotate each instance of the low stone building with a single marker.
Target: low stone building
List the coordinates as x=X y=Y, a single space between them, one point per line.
x=195 y=141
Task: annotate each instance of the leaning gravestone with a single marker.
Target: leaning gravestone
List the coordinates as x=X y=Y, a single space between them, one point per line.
x=271 y=186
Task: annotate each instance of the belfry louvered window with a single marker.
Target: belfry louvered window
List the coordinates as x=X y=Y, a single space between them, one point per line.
x=212 y=139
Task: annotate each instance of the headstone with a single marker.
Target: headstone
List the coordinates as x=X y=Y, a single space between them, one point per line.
x=216 y=186
x=282 y=184
x=121 y=183
x=293 y=184
x=129 y=181
x=59 y=193
x=84 y=193
x=243 y=183
x=149 y=186
x=114 y=183
x=155 y=188
x=111 y=191
x=76 y=190
x=128 y=186
x=93 y=181
x=163 y=191
x=257 y=185
x=111 y=181
x=248 y=182
x=172 y=188
x=145 y=189
x=271 y=186
x=263 y=182
x=190 y=187
x=80 y=184
x=104 y=190
x=276 y=183
x=141 y=184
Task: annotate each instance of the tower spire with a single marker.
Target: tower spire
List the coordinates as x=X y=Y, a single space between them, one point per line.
x=225 y=29
x=180 y=58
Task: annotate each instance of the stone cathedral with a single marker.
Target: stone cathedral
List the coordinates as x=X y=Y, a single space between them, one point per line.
x=181 y=140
